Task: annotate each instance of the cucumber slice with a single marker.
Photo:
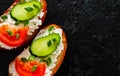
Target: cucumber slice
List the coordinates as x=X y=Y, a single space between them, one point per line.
x=25 y=11
x=44 y=46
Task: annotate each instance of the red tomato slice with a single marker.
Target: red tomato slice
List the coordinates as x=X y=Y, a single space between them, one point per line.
x=12 y=35
x=25 y=68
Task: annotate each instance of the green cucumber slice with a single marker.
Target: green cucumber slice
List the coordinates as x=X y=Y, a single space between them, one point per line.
x=44 y=46
x=25 y=11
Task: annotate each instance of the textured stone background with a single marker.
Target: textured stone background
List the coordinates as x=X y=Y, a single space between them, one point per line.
x=93 y=32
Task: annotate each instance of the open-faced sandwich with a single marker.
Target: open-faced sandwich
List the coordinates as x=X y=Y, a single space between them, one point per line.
x=43 y=56
x=21 y=22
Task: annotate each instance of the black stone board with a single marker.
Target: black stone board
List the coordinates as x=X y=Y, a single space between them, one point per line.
x=92 y=28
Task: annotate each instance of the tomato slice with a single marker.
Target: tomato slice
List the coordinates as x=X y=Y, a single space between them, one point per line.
x=25 y=68
x=12 y=35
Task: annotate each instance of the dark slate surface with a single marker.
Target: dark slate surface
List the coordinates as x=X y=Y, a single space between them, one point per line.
x=93 y=32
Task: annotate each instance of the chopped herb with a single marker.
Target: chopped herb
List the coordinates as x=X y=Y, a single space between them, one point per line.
x=29 y=9
x=31 y=57
x=54 y=40
x=49 y=43
x=9 y=32
x=4 y=17
x=34 y=68
x=35 y=6
x=26 y=22
x=51 y=28
x=17 y=36
x=42 y=60
x=17 y=22
x=48 y=61
x=24 y=60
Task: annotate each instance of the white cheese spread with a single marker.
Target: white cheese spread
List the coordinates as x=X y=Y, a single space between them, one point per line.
x=33 y=25
x=53 y=56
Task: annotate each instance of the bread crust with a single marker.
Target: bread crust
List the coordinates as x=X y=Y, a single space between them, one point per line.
x=62 y=55
x=60 y=58
x=28 y=39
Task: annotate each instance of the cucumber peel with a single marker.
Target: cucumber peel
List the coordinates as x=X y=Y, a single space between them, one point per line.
x=44 y=46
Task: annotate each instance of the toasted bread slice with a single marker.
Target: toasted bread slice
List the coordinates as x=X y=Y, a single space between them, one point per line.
x=6 y=36
x=56 y=57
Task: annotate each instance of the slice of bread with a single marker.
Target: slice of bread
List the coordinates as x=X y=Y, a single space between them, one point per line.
x=32 y=31
x=59 y=54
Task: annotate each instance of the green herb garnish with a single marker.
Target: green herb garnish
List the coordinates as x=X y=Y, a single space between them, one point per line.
x=31 y=58
x=48 y=61
x=35 y=6
x=34 y=68
x=17 y=36
x=17 y=22
x=51 y=28
x=26 y=22
x=49 y=43
x=53 y=39
x=10 y=32
x=42 y=60
x=24 y=60
x=4 y=17
x=29 y=9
